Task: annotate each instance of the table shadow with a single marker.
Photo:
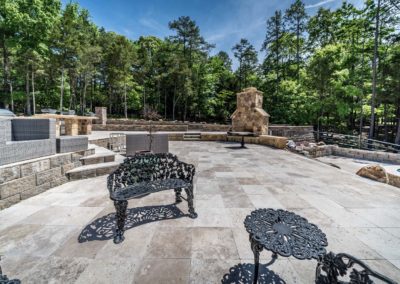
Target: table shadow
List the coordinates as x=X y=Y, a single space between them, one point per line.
x=104 y=227
x=243 y=273
x=235 y=147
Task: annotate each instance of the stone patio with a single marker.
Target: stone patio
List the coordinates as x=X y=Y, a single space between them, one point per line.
x=39 y=236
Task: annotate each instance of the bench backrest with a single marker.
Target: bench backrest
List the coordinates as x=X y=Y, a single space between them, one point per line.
x=148 y=167
x=332 y=266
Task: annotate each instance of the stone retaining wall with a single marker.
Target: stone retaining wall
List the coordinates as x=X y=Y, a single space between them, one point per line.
x=377 y=156
x=268 y=140
x=296 y=133
x=367 y=155
x=140 y=127
x=22 y=180
x=209 y=127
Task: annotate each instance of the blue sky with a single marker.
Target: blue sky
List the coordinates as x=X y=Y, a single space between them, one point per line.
x=221 y=22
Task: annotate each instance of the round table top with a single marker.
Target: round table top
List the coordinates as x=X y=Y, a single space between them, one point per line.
x=286 y=233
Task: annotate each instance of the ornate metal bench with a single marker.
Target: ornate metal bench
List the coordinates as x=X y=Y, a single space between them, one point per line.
x=147 y=173
x=330 y=267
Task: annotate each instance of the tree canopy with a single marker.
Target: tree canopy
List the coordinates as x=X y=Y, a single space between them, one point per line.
x=335 y=69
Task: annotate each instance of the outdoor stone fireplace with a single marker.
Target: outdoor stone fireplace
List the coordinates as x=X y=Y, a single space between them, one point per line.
x=249 y=115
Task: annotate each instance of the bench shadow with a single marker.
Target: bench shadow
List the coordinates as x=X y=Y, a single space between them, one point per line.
x=243 y=273
x=104 y=227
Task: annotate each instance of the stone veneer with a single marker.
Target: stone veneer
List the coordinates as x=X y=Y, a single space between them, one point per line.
x=377 y=156
x=101 y=113
x=268 y=140
x=22 y=180
x=249 y=115
x=293 y=132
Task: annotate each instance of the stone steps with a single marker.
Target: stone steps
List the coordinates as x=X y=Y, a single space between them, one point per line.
x=93 y=170
x=102 y=162
x=98 y=158
x=192 y=136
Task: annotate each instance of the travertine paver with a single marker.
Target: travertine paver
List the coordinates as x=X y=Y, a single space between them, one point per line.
x=39 y=236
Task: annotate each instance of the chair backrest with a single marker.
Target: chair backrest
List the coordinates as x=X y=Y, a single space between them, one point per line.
x=137 y=142
x=332 y=266
x=149 y=167
x=160 y=143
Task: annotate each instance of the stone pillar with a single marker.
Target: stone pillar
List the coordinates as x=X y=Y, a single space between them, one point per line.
x=85 y=127
x=101 y=113
x=71 y=127
x=58 y=128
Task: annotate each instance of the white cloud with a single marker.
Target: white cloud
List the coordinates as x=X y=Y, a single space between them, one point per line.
x=319 y=4
x=151 y=24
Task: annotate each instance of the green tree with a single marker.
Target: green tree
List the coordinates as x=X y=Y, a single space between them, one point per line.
x=297 y=21
x=247 y=57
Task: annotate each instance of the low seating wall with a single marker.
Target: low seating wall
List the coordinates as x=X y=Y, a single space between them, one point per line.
x=25 y=138
x=268 y=140
x=67 y=144
x=24 y=150
x=22 y=180
x=377 y=156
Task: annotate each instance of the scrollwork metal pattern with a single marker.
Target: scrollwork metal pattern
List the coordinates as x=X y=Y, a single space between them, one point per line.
x=243 y=273
x=286 y=233
x=147 y=167
x=147 y=173
x=330 y=267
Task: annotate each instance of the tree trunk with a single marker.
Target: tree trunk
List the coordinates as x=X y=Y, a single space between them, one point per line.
x=84 y=95
x=6 y=70
x=397 y=139
x=144 y=99
x=185 y=110
x=33 y=93
x=12 y=96
x=374 y=68
x=165 y=104
x=385 y=123
x=62 y=89
x=174 y=102
x=298 y=49
x=92 y=82
x=109 y=100
x=125 y=103
x=28 y=99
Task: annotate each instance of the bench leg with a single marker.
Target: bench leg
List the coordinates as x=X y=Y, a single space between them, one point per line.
x=120 y=207
x=189 y=193
x=178 y=196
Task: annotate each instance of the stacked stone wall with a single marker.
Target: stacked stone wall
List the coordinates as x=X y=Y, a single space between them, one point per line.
x=22 y=180
x=295 y=133
x=376 y=156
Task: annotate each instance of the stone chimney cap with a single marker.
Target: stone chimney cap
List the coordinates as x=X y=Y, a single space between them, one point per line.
x=251 y=90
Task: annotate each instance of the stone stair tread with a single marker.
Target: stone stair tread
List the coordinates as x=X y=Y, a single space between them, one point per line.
x=93 y=167
x=97 y=155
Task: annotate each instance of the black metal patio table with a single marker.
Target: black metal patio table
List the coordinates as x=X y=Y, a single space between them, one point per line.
x=241 y=134
x=284 y=233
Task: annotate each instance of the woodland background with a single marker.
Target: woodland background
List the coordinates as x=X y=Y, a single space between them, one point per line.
x=337 y=69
